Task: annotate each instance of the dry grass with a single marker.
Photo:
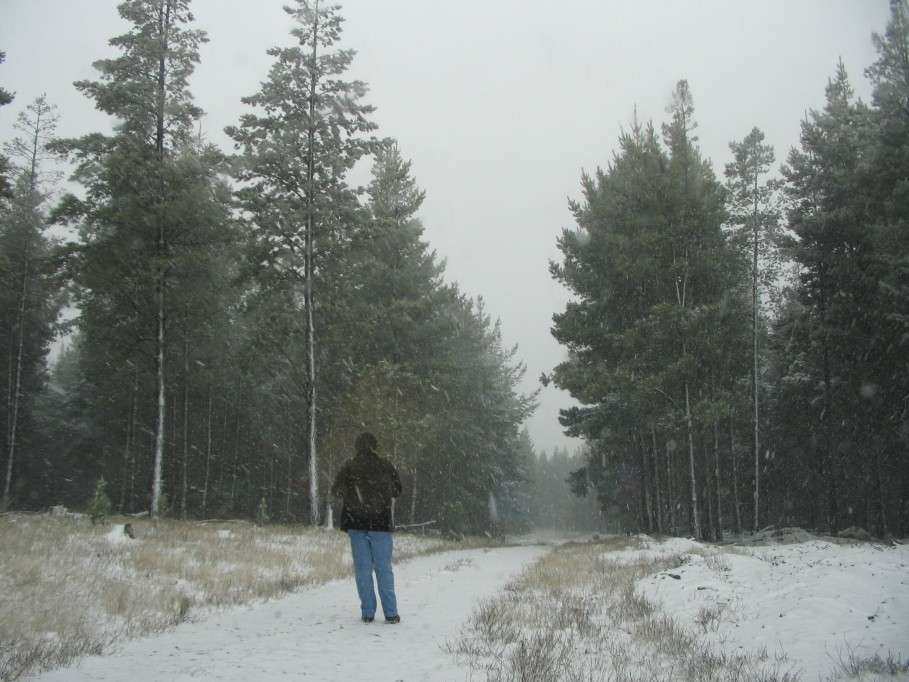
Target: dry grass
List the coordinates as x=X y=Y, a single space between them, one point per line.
x=68 y=589
x=891 y=666
x=575 y=615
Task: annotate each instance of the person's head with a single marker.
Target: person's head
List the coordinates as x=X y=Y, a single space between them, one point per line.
x=366 y=443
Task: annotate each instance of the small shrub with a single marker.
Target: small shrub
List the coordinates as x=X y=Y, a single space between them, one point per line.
x=262 y=516
x=709 y=616
x=99 y=505
x=165 y=507
x=183 y=608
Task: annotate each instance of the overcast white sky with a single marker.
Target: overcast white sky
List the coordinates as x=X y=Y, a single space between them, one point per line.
x=500 y=104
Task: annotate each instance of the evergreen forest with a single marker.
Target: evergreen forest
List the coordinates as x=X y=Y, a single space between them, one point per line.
x=738 y=340
x=225 y=322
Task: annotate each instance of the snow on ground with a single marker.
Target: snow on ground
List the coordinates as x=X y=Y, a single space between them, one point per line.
x=316 y=634
x=815 y=602
x=818 y=603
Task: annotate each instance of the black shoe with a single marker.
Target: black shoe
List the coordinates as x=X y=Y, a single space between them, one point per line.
x=368 y=620
x=391 y=620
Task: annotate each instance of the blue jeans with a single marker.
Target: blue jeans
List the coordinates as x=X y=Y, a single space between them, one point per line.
x=372 y=552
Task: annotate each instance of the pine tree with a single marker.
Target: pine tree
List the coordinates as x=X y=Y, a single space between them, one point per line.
x=612 y=265
x=148 y=187
x=698 y=260
x=296 y=154
x=5 y=186
x=651 y=274
x=67 y=441
x=472 y=381
x=30 y=303
x=393 y=281
x=886 y=187
x=837 y=293
x=755 y=220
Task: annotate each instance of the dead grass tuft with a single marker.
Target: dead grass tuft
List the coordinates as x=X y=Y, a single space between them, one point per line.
x=890 y=666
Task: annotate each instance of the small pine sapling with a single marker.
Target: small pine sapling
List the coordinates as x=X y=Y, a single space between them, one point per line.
x=262 y=516
x=99 y=505
x=165 y=507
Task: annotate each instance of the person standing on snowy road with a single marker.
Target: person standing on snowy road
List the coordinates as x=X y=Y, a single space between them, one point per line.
x=367 y=483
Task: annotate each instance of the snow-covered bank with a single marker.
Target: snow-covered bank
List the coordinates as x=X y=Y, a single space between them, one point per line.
x=817 y=604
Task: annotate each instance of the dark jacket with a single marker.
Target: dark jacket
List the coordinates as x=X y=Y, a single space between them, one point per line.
x=367 y=483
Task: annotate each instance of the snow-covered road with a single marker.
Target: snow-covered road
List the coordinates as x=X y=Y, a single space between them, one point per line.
x=808 y=607
x=316 y=634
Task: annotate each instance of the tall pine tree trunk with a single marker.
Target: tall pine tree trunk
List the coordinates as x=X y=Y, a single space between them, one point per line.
x=646 y=485
x=289 y=449
x=310 y=275
x=311 y=357
x=128 y=448
x=159 y=394
x=710 y=531
x=160 y=268
x=207 y=456
x=755 y=374
x=695 y=522
x=670 y=493
x=185 y=483
x=235 y=460
x=656 y=480
x=717 y=478
x=737 y=505
x=15 y=380
x=413 y=497
x=827 y=449
x=15 y=375
x=882 y=525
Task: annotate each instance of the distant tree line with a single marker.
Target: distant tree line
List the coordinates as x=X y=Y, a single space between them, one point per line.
x=239 y=317
x=553 y=507
x=740 y=348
